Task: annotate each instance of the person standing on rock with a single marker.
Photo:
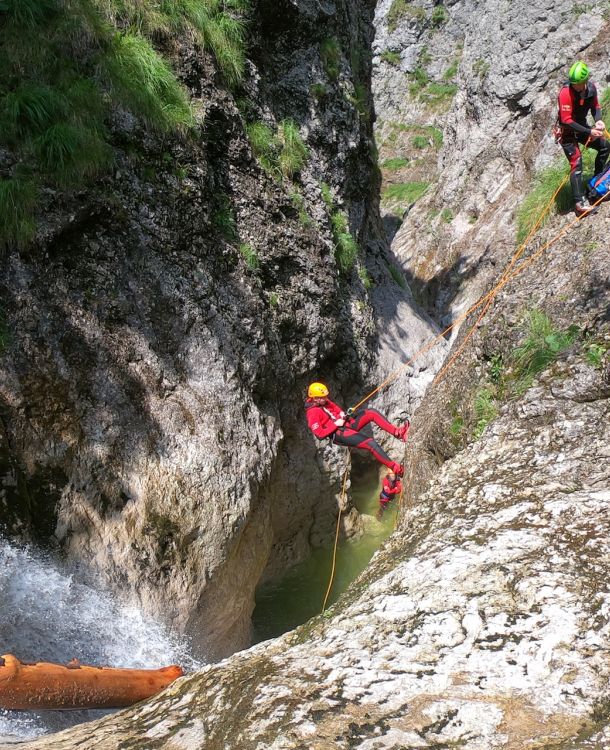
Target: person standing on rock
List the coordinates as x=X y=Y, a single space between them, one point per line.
x=391 y=487
x=577 y=98
x=327 y=419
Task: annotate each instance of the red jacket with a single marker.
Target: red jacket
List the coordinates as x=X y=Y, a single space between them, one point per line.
x=574 y=106
x=322 y=419
x=390 y=488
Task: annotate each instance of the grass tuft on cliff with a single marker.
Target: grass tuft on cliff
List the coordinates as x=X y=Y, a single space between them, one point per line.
x=546 y=183
x=541 y=346
x=281 y=154
x=346 y=246
x=330 y=54
x=64 y=66
x=294 y=153
x=17 y=198
x=143 y=80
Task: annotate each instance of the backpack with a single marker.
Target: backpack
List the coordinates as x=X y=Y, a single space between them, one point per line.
x=600 y=185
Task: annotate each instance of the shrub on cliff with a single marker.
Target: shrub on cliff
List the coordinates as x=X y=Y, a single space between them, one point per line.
x=65 y=66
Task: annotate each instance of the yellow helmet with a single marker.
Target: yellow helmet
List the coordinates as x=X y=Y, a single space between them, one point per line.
x=317 y=390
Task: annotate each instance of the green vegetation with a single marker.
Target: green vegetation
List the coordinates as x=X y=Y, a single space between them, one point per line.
x=434 y=135
x=420 y=76
x=439 y=16
x=393 y=165
x=346 y=250
x=435 y=95
x=420 y=141
x=457 y=425
x=438 y=95
x=17 y=200
x=481 y=67
x=548 y=180
x=346 y=247
x=299 y=203
x=579 y=9
x=294 y=152
x=281 y=155
x=330 y=53
x=223 y=217
x=446 y=216
x=595 y=354
x=144 y=79
x=327 y=196
x=407 y=192
x=392 y=58
x=485 y=409
x=365 y=278
x=318 y=91
x=360 y=101
x=64 y=66
x=546 y=183
x=451 y=71
x=425 y=58
x=274 y=299
x=403 y=9
x=396 y=274
x=250 y=255
x=540 y=347
x=265 y=146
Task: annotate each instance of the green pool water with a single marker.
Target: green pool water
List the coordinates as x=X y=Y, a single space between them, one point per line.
x=284 y=604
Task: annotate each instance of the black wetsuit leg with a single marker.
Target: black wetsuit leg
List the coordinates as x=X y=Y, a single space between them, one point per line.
x=360 y=440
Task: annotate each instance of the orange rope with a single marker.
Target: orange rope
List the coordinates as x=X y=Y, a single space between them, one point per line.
x=505 y=278
x=332 y=573
x=490 y=295
x=531 y=259
x=518 y=253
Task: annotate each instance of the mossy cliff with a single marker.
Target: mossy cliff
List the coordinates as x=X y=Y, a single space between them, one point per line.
x=190 y=231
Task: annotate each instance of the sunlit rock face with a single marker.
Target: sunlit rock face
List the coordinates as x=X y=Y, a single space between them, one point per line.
x=487 y=76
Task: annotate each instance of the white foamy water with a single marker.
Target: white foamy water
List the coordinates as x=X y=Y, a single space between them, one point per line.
x=47 y=615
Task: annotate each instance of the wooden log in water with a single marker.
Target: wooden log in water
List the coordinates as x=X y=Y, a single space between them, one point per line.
x=44 y=685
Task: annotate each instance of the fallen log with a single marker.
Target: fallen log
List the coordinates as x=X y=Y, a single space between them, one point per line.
x=44 y=685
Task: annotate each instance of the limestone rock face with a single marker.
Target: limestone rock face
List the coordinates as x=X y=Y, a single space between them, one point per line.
x=506 y=62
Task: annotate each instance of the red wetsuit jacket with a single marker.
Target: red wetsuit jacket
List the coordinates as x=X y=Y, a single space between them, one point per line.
x=574 y=106
x=389 y=489
x=321 y=419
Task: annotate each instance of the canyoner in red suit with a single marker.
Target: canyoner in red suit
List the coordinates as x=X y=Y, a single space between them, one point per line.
x=328 y=420
x=576 y=100
x=390 y=488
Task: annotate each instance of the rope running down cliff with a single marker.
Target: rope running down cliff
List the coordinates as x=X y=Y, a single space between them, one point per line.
x=486 y=300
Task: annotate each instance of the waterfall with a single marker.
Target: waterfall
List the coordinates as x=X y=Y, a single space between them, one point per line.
x=46 y=614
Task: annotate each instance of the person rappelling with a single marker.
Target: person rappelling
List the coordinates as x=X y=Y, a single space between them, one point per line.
x=328 y=420
x=577 y=98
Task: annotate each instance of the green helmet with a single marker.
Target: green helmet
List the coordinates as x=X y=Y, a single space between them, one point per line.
x=579 y=72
